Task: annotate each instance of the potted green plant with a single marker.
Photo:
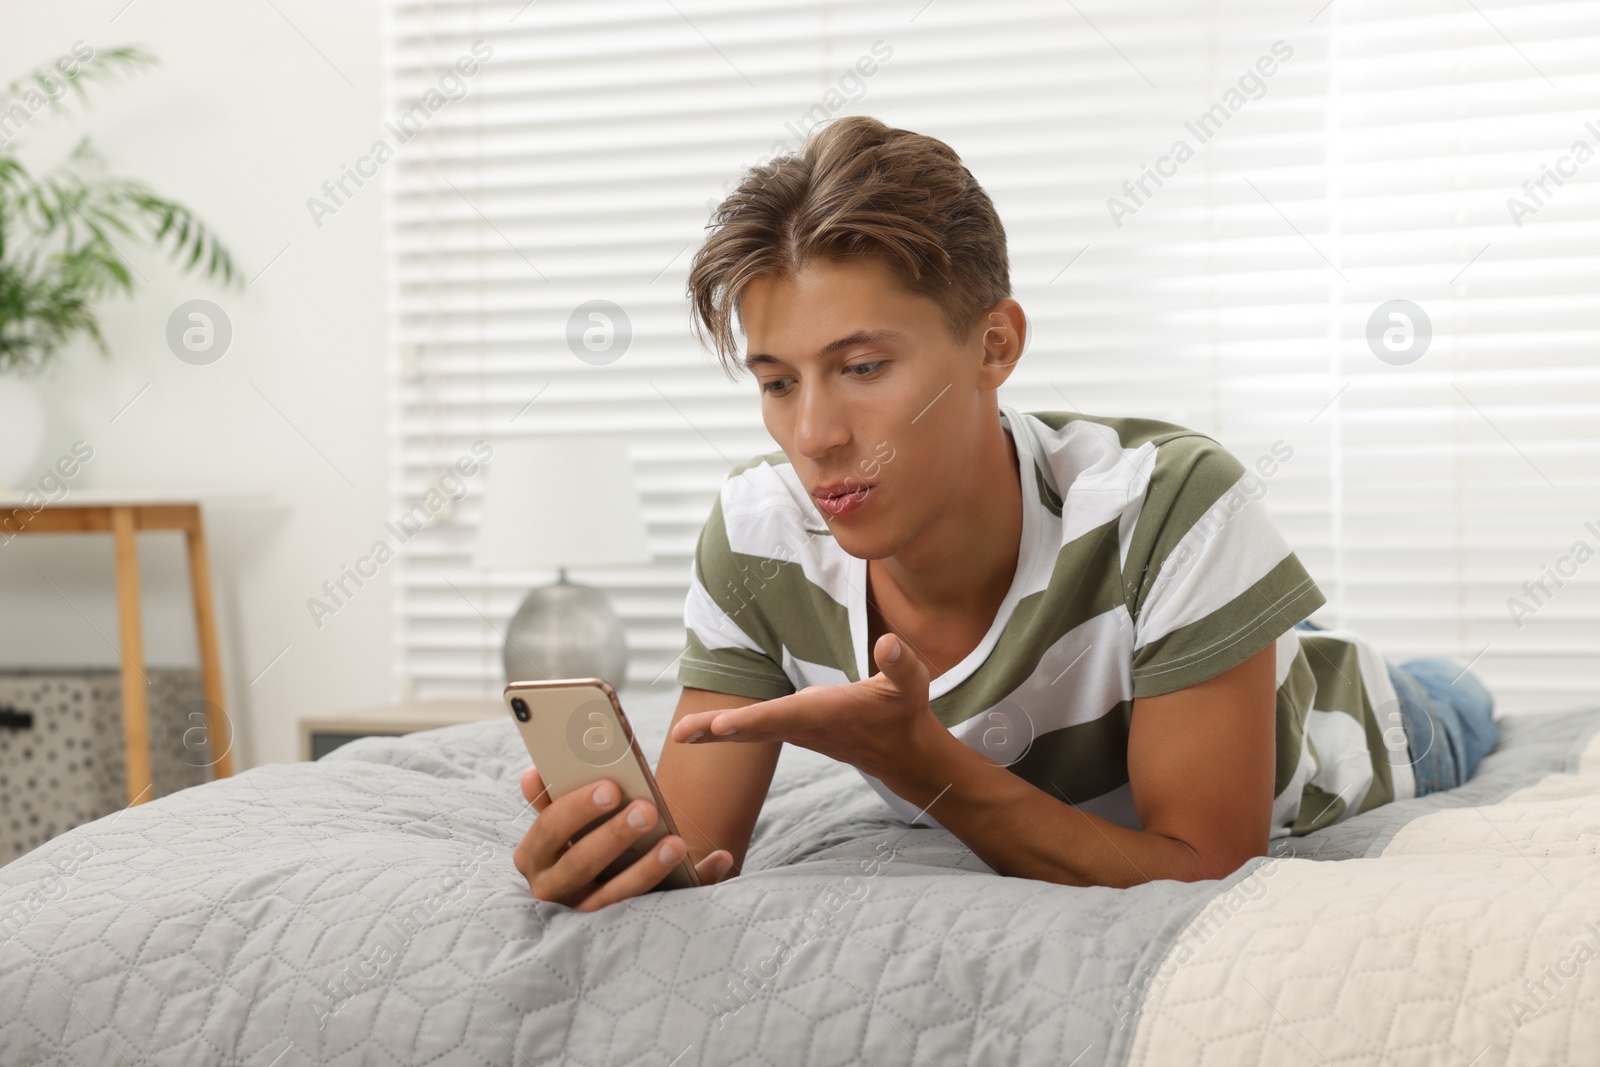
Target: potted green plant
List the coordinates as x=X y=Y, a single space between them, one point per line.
x=58 y=258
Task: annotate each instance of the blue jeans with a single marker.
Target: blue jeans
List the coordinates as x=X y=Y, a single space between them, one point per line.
x=1448 y=717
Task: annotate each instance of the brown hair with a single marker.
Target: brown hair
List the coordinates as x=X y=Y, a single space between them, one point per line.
x=856 y=188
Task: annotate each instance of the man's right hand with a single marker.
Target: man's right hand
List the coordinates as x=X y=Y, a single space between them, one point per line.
x=568 y=875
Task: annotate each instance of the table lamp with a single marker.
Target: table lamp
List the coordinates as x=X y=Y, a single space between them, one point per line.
x=563 y=502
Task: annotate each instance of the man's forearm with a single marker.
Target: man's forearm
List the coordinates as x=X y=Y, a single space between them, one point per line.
x=1021 y=831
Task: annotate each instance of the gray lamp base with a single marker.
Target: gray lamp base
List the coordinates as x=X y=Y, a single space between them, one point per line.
x=566 y=630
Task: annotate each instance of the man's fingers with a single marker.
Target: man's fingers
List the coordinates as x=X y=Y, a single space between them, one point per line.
x=547 y=838
x=693 y=729
x=899 y=664
x=533 y=789
x=690 y=726
x=716 y=867
x=767 y=720
x=639 y=877
x=888 y=650
x=776 y=719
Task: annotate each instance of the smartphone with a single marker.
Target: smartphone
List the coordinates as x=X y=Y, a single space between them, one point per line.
x=576 y=734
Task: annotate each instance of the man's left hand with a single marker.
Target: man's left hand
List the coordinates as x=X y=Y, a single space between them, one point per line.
x=872 y=724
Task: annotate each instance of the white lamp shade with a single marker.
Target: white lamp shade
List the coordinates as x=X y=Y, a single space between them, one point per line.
x=561 y=502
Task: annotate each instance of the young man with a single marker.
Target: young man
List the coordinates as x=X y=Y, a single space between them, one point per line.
x=1068 y=640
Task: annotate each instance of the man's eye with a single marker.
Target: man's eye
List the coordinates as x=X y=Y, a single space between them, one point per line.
x=776 y=385
x=868 y=368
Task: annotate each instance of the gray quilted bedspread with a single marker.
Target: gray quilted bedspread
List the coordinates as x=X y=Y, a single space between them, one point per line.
x=364 y=910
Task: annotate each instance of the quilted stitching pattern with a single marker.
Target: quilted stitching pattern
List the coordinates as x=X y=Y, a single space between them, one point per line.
x=363 y=910
x=1420 y=956
x=1560 y=816
x=308 y=913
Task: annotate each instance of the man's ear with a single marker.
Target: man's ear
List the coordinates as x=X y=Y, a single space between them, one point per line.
x=1004 y=330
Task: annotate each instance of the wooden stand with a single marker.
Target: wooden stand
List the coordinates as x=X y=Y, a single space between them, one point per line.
x=124 y=521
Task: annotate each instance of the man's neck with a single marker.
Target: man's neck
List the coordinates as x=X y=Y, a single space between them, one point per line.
x=967 y=564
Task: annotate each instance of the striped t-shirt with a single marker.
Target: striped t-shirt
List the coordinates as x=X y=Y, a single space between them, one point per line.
x=1148 y=563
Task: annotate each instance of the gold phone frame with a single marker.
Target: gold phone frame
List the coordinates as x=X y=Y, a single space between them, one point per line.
x=683 y=874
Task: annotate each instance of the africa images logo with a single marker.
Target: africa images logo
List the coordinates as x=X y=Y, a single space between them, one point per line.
x=1251 y=85
x=450 y=86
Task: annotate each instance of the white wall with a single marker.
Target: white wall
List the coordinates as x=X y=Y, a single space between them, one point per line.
x=242 y=122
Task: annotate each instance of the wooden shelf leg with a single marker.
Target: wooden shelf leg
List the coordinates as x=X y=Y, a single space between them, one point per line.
x=219 y=728
x=135 y=687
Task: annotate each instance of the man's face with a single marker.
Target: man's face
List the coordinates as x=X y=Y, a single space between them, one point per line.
x=877 y=408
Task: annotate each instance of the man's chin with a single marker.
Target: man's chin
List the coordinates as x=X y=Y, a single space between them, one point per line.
x=864 y=544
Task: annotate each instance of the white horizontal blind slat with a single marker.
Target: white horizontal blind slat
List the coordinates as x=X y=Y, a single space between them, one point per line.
x=1374 y=164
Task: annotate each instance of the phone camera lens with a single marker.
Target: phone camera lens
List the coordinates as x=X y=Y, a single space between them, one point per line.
x=519 y=708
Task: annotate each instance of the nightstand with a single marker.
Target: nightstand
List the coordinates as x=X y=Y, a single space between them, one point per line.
x=319 y=736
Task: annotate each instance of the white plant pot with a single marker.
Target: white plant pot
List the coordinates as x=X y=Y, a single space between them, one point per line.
x=21 y=432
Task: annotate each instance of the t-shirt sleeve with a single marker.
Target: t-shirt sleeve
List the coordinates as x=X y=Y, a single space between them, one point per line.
x=1210 y=579
x=731 y=647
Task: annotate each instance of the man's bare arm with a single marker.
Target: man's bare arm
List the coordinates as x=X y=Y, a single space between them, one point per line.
x=1200 y=762
x=715 y=792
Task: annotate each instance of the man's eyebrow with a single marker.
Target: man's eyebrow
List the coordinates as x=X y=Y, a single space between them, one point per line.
x=860 y=337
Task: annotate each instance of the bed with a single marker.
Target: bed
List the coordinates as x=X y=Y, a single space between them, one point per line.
x=364 y=910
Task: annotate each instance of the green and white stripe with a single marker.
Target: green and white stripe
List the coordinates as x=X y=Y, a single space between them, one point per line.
x=1147 y=565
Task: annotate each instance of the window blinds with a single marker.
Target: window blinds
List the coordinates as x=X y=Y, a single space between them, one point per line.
x=1212 y=210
